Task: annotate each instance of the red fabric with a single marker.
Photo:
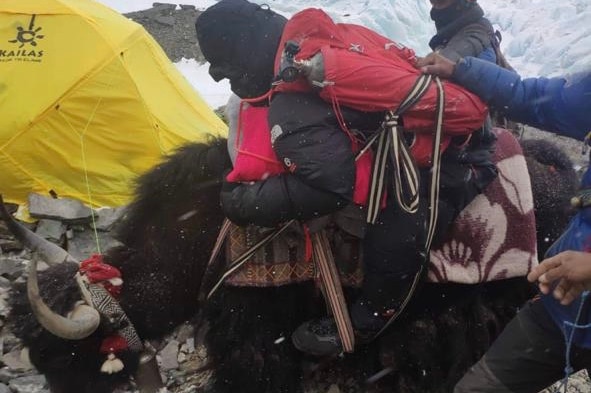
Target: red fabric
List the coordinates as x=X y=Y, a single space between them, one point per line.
x=369 y=72
x=307 y=243
x=113 y=344
x=422 y=149
x=256 y=160
x=99 y=272
x=363 y=168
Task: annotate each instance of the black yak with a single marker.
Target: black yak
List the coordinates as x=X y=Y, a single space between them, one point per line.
x=168 y=234
x=553 y=188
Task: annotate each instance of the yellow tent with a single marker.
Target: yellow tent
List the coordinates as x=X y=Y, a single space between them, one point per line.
x=88 y=101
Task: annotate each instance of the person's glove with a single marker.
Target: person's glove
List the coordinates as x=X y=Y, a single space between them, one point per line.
x=230 y=199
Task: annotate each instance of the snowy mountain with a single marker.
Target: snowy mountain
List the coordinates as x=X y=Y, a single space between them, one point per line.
x=540 y=37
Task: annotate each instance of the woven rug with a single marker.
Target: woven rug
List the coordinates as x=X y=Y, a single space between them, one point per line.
x=495 y=235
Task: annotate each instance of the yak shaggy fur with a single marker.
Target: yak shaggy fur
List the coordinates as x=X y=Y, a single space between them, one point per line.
x=446 y=328
x=554 y=182
x=167 y=234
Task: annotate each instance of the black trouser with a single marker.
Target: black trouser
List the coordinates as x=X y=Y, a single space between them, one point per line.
x=394 y=247
x=527 y=357
x=393 y=251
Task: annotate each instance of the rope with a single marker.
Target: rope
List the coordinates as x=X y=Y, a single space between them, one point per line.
x=238 y=262
x=211 y=265
x=89 y=193
x=85 y=168
x=392 y=146
x=568 y=338
x=81 y=136
x=405 y=162
x=433 y=201
x=436 y=168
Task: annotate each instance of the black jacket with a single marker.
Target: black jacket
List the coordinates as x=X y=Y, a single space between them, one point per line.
x=471 y=40
x=471 y=34
x=317 y=154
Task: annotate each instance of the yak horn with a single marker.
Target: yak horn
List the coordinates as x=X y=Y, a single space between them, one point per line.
x=82 y=322
x=51 y=253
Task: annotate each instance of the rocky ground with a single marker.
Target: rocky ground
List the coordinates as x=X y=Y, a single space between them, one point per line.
x=183 y=361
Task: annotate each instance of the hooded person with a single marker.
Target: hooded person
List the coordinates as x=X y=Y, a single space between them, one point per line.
x=242 y=41
x=462 y=30
x=239 y=40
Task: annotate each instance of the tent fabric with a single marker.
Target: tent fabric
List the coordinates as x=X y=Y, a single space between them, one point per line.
x=88 y=101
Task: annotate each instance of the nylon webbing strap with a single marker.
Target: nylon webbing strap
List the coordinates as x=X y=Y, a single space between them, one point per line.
x=433 y=202
x=238 y=262
x=330 y=278
x=391 y=145
x=403 y=161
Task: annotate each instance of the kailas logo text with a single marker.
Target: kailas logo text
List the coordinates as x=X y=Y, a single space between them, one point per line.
x=26 y=41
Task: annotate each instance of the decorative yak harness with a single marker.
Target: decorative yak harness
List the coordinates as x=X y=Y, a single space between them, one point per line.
x=100 y=284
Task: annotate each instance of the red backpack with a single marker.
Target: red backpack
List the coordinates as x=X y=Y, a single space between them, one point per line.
x=366 y=71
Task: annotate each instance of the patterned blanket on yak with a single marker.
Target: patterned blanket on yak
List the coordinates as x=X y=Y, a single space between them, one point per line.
x=493 y=238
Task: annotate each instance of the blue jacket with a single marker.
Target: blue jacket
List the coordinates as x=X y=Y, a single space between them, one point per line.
x=561 y=105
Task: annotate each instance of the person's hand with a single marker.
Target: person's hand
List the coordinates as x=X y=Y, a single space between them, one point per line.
x=572 y=270
x=435 y=64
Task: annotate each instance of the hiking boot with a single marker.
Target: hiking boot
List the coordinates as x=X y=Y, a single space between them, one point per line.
x=318 y=337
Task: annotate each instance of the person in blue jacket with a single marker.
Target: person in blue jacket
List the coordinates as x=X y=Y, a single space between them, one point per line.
x=551 y=335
